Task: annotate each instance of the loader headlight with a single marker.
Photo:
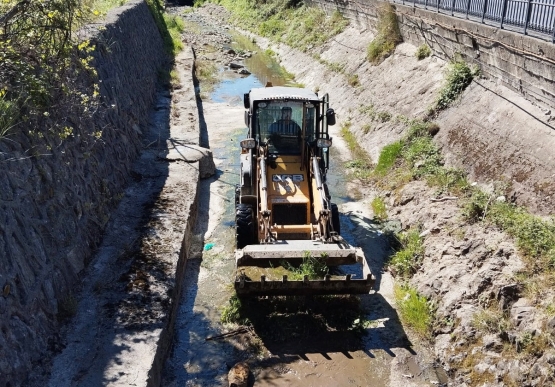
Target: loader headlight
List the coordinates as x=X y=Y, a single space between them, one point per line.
x=249 y=143
x=323 y=143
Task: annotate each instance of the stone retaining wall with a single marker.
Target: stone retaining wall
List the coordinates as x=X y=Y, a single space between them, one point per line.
x=55 y=204
x=523 y=63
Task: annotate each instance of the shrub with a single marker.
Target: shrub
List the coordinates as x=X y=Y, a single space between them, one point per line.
x=458 y=77
x=423 y=51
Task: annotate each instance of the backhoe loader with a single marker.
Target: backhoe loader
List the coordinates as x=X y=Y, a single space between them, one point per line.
x=284 y=213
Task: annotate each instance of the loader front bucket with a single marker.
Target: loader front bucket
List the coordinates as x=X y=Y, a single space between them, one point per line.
x=292 y=252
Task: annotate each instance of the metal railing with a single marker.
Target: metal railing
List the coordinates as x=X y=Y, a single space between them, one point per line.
x=525 y=15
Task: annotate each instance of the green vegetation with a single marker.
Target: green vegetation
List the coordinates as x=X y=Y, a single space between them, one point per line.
x=457 y=78
x=291 y=22
x=352 y=80
x=534 y=236
x=423 y=52
x=361 y=160
x=377 y=116
x=175 y=26
x=43 y=65
x=312 y=267
x=407 y=260
x=379 y=209
x=205 y=73
x=388 y=35
x=415 y=310
x=388 y=156
x=416 y=156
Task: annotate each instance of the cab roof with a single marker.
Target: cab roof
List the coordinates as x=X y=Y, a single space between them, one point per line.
x=282 y=92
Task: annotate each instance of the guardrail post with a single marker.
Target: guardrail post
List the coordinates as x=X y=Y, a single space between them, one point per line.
x=503 y=12
x=484 y=10
x=467 y=8
x=438 y=1
x=528 y=13
x=553 y=31
x=426 y=4
x=453 y=8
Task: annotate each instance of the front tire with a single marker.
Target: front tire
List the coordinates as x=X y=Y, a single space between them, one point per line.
x=244 y=225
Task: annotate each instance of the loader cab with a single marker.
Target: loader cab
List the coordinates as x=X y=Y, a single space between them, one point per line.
x=283 y=125
x=289 y=121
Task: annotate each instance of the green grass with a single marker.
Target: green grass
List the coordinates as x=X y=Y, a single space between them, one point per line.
x=388 y=156
x=416 y=156
x=205 y=73
x=291 y=22
x=360 y=163
x=414 y=310
x=388 y=35
x=408 y=258
x=534 y=236
x=379 y=208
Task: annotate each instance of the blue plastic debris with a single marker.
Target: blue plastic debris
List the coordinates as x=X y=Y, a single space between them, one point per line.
x=208 y=246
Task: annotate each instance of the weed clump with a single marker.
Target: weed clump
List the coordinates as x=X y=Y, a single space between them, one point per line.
x=406 y=261
x=415 y=310
x=312 y=267
x=388 y=35
x=459 y=76
x=378 y=206
x=423 y=52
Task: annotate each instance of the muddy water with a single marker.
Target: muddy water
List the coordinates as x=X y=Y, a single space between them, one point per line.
x=204 y=349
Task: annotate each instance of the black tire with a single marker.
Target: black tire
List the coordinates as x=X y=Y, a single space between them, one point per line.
x=244 y=225
x=336 y=224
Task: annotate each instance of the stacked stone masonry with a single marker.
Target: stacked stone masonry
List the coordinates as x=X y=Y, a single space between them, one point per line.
x=55 y=204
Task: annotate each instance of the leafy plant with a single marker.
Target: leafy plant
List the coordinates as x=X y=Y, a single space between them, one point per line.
x=423 y=52
x=388 y=35
x=457 y=78
x=406 y=261
x=231 y=314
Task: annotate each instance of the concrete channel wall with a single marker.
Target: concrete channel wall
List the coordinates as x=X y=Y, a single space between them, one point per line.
x=55 y=206
x=523 y=63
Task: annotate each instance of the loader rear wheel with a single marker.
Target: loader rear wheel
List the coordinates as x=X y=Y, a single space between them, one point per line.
x=335 y=219
x=244 y=225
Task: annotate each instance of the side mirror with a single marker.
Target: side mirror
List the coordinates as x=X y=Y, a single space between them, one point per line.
x=323 y=143
x=248 y=143
x=246 y=100
x=330 y=116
